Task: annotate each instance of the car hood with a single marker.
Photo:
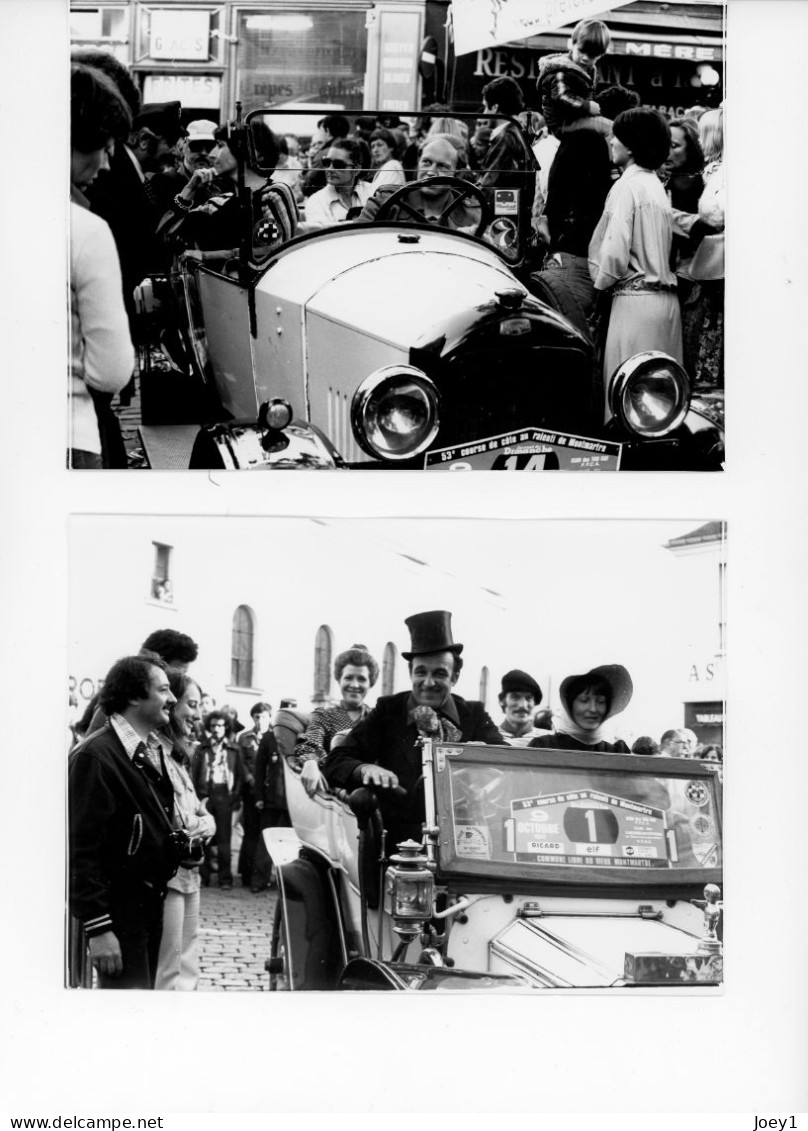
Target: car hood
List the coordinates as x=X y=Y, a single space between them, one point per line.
x=387 y=289
x=583 y=950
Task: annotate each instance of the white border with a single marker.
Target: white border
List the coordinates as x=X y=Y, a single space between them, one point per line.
x=746 y=1051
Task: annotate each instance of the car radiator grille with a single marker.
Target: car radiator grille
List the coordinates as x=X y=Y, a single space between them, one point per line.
x=339 y=426
x=489 y=392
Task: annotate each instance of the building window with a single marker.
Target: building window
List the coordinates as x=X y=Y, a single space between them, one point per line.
x=161 y=584
x=242 y=649
x=306 y=56
x=101 y=26
x=484 y=677
x=389 y=668
x=323 y=651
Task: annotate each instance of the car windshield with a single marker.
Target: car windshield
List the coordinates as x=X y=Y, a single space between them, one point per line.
x=606 y=819
x=375 y=166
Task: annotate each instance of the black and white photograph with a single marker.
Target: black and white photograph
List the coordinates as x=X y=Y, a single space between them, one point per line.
x=450 y=799
x=438 y=235
x=289 y=777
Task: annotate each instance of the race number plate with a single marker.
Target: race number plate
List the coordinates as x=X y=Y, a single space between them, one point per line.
x=588 y=828
x=529 y=449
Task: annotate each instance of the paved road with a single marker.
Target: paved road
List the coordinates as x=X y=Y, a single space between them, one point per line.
x=234 y=936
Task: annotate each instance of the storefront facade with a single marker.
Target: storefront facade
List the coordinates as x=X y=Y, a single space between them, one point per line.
x=703 y=554
x=325 y=55
x=672 y=55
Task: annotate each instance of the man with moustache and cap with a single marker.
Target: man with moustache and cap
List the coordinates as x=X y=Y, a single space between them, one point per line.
x=519 y=698
x=192 y=156
x=382 y=751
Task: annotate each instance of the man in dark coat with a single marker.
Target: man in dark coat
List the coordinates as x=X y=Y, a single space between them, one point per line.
x=382 y=751
x=505 y=158
x=123 y=196
x=120 y=801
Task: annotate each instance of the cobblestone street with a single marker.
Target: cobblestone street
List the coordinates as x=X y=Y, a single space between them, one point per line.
x=234 y=934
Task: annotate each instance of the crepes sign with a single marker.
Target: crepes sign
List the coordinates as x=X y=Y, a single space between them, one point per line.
x=488 y=23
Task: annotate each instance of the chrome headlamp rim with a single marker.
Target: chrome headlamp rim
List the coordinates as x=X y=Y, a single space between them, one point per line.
x=371 y=387
x=635 y=369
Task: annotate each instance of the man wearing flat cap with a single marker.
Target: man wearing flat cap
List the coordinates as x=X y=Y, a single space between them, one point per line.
x=519 y=698
x=382 y=750
x=192 y=154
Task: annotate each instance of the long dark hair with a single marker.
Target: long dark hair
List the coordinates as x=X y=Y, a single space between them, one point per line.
x=98 y=113
x=179 y=682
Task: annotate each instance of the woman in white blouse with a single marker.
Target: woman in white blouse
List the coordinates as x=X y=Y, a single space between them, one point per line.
x=343 y=163
x=383 y=150
x=629 y=253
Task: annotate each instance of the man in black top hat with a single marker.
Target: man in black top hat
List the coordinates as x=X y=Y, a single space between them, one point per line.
x=519 y=697
x=382 y=750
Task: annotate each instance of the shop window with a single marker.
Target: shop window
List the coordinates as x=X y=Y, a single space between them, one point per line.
x=323 y=652
x=304 y=57
x=169 y=35
x=484 y=678
x=162 y=587
x=389 y=661
x=242 y=648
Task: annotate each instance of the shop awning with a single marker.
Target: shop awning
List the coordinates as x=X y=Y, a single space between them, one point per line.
x=491 y=23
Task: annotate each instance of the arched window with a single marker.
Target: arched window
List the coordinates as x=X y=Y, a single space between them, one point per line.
x=484 y=676
x=389 y=668
x=323 y=653
x=242 y=648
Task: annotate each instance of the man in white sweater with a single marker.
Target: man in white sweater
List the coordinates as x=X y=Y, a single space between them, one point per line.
x=101 y=352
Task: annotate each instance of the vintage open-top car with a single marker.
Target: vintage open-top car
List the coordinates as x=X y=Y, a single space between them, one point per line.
x=537 y=869
x=403 y=343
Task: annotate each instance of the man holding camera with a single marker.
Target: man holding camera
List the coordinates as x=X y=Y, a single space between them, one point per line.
x=120 y=802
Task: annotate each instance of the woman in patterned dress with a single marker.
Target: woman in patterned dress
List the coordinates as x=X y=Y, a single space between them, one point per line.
x=356 y=672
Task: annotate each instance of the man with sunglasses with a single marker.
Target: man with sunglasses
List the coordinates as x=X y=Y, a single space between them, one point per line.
x=193 y=153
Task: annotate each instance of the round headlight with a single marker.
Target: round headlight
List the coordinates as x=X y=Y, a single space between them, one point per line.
x=394 y=412
x=650 y=394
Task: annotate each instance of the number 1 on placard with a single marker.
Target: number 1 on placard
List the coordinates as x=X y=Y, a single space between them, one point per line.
x=591 y=825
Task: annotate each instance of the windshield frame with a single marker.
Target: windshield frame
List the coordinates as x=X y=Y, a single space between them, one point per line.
x=520 y=217
x=482 y=874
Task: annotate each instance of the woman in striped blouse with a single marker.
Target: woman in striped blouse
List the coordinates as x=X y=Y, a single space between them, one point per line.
x=356 y=672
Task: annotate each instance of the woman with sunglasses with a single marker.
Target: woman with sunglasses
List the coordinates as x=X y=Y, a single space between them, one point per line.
x=344 y=163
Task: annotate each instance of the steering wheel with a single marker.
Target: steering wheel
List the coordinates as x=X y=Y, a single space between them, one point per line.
x=463 y=189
